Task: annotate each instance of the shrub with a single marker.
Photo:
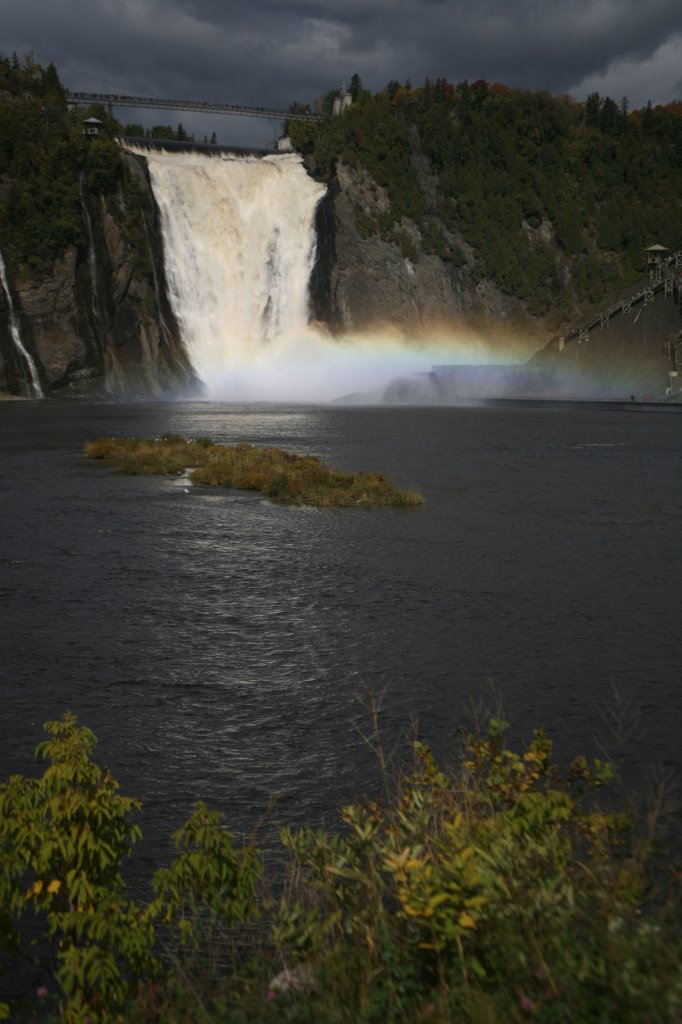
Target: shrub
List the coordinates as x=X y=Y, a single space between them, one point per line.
x=500 y=889
x=63 y=837
x=497 y=892
x=62 y=840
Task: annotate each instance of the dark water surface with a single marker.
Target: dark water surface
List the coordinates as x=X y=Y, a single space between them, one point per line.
x=222 y=647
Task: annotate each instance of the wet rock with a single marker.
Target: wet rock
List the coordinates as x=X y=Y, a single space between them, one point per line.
x=101 y=325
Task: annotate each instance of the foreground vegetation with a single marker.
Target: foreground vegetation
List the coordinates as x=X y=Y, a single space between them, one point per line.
x=282 y=476
x=499 y=890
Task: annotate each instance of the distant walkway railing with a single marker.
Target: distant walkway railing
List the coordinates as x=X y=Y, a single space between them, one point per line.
x=114 y=100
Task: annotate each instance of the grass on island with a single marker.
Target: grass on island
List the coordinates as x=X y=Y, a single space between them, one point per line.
x=282 y=476
x=501 y=889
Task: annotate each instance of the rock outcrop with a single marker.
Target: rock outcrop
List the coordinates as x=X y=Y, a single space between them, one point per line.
x=99 y=322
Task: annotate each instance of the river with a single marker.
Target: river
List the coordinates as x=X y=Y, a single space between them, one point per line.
x=225 y=648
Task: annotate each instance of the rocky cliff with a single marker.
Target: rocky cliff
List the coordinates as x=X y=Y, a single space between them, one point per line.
x=373 y=280
x=496 y=211
x=364 y=281
x=98 y=321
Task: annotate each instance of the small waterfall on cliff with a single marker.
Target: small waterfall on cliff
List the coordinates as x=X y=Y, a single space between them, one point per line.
x=92 y=262
x=239 y=245
x=15 y=333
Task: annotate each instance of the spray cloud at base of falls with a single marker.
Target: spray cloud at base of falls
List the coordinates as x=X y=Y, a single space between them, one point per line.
x=239 y=248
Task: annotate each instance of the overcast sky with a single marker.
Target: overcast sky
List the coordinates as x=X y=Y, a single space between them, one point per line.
x=270 y=52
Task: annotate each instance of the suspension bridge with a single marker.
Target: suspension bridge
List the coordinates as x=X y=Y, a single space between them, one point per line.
x=110 y=100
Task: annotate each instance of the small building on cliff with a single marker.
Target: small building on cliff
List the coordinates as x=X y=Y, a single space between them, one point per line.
x=92 y=127
x=655 y=254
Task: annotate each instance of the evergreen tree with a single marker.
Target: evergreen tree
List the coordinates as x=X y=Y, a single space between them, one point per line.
x=355 y=87
x=592 y=110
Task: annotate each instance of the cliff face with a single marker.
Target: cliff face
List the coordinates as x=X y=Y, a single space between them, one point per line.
x=99 y=321
x=364 y=282
x=512 y=214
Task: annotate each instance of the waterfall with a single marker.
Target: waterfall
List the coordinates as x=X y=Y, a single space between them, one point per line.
x=92 y=261
x=239 y=246
x=15 y=333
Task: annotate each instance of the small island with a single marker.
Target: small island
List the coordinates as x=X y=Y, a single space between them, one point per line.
x=282 y=476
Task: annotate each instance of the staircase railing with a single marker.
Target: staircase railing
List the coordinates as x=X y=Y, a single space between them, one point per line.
x=666 y=276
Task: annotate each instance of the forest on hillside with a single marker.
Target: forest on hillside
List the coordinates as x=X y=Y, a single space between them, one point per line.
x=45 y=161
x=551 y=199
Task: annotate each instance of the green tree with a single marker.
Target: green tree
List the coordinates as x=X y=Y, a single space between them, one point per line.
x=63 y=838
x=355 y=87
x=162 y=131
x=104 y=169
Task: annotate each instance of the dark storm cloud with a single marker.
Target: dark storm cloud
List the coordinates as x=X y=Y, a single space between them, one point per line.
x=271 y=51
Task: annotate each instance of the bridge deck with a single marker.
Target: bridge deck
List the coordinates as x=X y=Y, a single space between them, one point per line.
x=151 y=103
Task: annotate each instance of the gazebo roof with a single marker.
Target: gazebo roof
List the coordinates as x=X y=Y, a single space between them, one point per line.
x=92 y=120
x=657 y=248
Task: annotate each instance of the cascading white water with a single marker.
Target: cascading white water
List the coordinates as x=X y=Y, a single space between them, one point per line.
x=92 y=260
x=239 y=244
x=16 y=334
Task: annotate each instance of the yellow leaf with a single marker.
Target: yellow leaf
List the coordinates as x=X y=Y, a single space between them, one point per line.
x=54 y=886
x=466 y=920
x=35 y=889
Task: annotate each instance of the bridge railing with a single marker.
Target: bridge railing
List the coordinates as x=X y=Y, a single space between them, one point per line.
x=197 y=106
